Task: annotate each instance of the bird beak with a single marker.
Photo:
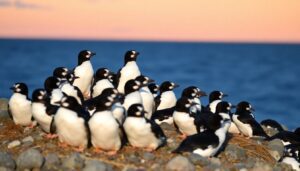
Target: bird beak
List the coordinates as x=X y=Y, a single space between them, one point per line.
x=76 y=77
x=93 y=54
x=137 y=53
x=201 y=93
x=12 y=88
x=150 y=80
x=193 y=103
x=225 y=95
x=227 y=120
x=233 y=106
x=176 y=85
x=58 y=102
x=252 y=110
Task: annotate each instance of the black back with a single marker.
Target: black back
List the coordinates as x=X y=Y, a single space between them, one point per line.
x=51 y=83
x=136 y=110
x=183 y=104
x=20 y=88
x=130 y=55
x=132 y=86
x=154 y=88
x=272 y=123
x=60 y=72
x=85 y=55
x=216 y=95
x=39 y=95
x=297 y=131
x=190 y=92
x=286 y=136
x=144 y=80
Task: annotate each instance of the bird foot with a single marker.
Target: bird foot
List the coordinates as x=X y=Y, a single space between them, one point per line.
x=79 y=149
x=148 y=149
x=31 y=126
x=50 y=136
x=182 y=136
x=63 y=144
x=111 y=153
x=97 y=150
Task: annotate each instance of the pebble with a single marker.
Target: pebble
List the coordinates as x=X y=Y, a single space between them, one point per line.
x=198 y=160
x=5 y=169
x=74 y=161
x=14 y=144
x=234 y=152
x=50 y=145
x=261 y=166
x=3 y=104
x=270 y=131
x=4 y=114
x=51 y=162
x=148 y=156
x=7 y=161
x=180 y=163
x=276 y=149
x=95 y=165
x=27 y=139
x=166 y=126
x=133 y=158
x=240 y=167
x=250 y=162
x=30 y=159
x=282 y=167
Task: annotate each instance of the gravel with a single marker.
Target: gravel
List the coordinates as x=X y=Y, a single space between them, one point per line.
x=179 y=163
x=276 y=149
x=148 y=156
x=133 y=158
x=52 y=162
x=234 y=153
x=27 y=139
x=30 y=159
x=74 y=161
x=7 y=161
x=198 y=160
x=14 y=144
x=95 y=165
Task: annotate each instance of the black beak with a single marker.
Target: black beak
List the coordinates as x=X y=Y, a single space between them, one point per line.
x=58 y=102
x=252 y=110
x=201 y=93
x=233 y=106
x=137 y=53
x=76 y=77
x=225 y=95
x=193 y=103
x=176 y=85
x=150 y=81
x=93 y=54
x=12 y=88
x=227 y=120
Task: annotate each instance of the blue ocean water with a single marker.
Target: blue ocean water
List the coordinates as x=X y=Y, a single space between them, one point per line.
x=266 y=75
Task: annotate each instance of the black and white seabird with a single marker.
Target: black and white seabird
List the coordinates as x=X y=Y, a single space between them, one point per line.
x=19 y=105
x=244 y=120
x=194 y=93
x=291 y=156
x=154 y=88
x=214 y=98
x=165 y=103
x=270 y=123
x=101 y=82
x=132 y=94
x=142 y=132
x=84 y=70
x=129 y=71
x=69 y=89
x=41 y=111
x=71 y=121
x=51 y=85
x=61 y=73
x=106 y=133
x=208 y=142
x=147 y=96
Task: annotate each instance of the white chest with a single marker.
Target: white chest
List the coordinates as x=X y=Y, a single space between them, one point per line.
x=185 y=123
x=85 y=73
x=128 y=72
x=245 y=129
x=100 y=86
x=132 y=98
x=20 y=108
x=167 y=100
x=40 y=115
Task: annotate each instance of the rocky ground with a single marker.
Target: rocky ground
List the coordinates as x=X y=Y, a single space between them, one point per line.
x=24 y=148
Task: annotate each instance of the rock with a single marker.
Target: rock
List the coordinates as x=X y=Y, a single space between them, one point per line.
x=5 y=169
x=156 y=167
x=3 y=104
x=166 y=126
x=215 y=161
x=240 y=167
x=250 y=162
x=30 y=159
x=7 y=161
x=52 y=162
x=73 y=162
x=276 y=149
x=27 y=139
x=50 y=145
x=14 y=144
x=285 y=128
x=198 y=160
x=148 y=156
x=261 y=166
x=282 y=167
x=95 y=165
x=270 y=131
x=234 y=153
x=180 y=163
x=129 y=168
x=4 y=114
x=171 y=144
x=133 y=158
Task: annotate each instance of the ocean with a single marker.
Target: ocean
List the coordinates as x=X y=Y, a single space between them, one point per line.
x=266 y=75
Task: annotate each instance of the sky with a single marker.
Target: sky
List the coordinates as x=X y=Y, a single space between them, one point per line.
x=159 y=20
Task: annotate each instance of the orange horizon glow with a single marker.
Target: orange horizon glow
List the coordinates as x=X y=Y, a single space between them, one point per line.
x=190 y=20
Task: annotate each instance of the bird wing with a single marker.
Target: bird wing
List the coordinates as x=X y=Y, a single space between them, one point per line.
x=156 y=129
x=163 y=114
x=9 y=112
x=256 y=127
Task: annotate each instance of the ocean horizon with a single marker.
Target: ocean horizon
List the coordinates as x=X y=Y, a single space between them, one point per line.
x=265 y=74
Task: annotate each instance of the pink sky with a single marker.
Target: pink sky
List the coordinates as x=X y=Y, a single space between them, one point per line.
x=188 y=20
